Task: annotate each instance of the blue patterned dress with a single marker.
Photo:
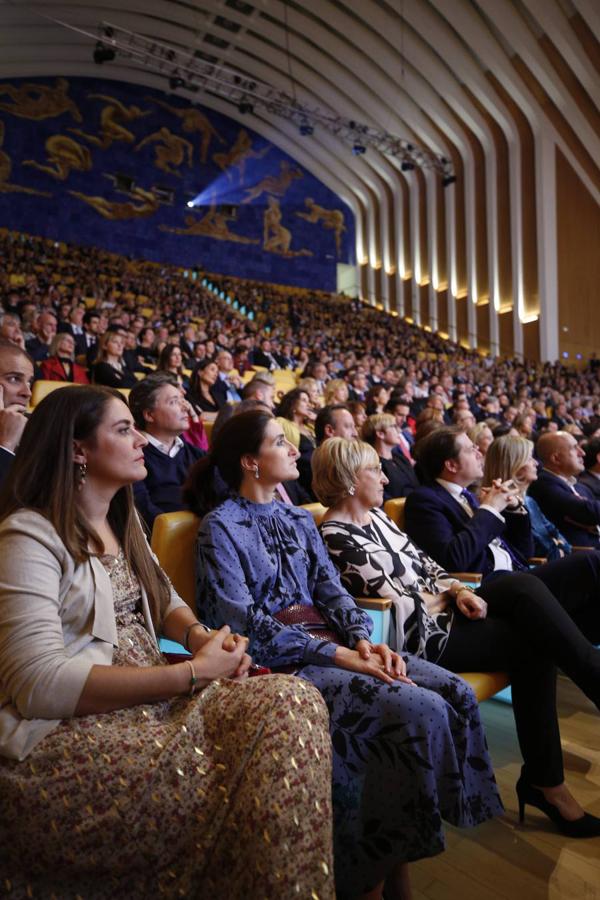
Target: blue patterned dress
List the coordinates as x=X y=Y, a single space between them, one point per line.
x=405 y=757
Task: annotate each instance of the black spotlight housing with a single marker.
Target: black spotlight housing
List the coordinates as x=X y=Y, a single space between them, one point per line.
x=359 y=149
x=244 y=106
x=306 y=129
x=176 y=82
x=103 y=54
x=447 y=180
x=406 y=165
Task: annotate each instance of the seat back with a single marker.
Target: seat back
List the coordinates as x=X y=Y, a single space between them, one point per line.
x=42 y=388
x=317 y=511
x=174 y=543
x=395 y=510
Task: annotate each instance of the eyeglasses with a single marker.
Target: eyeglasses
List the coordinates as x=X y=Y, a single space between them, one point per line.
x=378 y=469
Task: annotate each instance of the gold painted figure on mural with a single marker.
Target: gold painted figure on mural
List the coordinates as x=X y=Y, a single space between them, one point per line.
x=277 y=238
x=213 y=224
x=64 y=154
x=117 y=210
x=238 y=155
x=39 y=101
x=111 y=122
x=170 y=150
x=333 y=219
x=193 y=120
x=6 y=187
x=274 y=184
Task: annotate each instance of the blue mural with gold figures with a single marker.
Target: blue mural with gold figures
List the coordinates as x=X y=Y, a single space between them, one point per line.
x=115 y=165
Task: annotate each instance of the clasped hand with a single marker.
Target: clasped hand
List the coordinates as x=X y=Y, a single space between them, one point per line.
x=471 y=605
x=222 y=655
x=373 y=659
x=499 y=494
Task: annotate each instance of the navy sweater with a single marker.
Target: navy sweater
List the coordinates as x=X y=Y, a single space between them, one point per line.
x=160 y=491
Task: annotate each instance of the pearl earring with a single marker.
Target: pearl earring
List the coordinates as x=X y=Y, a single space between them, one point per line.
x=351 y=490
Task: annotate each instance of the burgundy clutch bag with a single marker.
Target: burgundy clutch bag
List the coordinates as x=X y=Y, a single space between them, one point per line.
x=311 y=620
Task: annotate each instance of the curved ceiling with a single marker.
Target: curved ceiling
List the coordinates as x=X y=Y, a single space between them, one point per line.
x=459 y=77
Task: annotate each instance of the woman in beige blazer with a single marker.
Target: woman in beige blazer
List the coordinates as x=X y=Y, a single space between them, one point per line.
x=122 y=776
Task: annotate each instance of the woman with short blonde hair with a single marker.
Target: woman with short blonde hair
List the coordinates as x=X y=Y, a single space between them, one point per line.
x=335 y=468
x=335 y=391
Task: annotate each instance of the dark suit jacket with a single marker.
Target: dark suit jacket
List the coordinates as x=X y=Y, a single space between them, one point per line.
x=401 y=477
x=6 y=461
x=458 y=542
x=219 y=392
x=575 y=516
x=591 y=482
x=261 y=359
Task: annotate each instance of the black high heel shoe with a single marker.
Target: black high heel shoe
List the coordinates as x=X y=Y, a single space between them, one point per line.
x=584 y=827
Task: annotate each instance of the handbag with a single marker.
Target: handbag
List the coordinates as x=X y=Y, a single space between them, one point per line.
x=311 y=620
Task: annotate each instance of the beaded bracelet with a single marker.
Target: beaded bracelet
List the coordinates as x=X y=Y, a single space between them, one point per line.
x=193 y=679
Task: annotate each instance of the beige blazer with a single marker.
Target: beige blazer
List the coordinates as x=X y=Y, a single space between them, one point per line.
x=57 y=620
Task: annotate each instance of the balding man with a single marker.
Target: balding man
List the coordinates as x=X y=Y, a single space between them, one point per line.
x=564 y=500
x=16 y=375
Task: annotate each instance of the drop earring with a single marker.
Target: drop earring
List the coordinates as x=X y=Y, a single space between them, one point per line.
x=81 y=474
x=256 y=473
x=351 y=490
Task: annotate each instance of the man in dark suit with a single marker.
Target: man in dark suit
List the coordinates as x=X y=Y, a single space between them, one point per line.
x=445 y=519
x=227 y=388
x=463 y=535
x=45 y=329
x=74 y=327
x=568 y=503
x=263 y=356
x=591 y=476
x=16 y=375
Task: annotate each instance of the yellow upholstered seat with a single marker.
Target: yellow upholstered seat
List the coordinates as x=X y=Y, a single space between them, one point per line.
x=395 y=510
x=486 y=684
x=42 y=388
x=317 y=511
x=174 y=543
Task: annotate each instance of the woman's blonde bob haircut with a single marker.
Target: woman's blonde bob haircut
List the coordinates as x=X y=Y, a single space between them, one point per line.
x=376 y=422
x=335 y=466
x=505 y=456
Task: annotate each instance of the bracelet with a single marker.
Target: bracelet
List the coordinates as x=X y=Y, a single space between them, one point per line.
x=193 y=678
x=186 y=633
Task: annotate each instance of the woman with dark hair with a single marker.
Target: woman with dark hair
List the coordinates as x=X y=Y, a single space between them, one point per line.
x=171 y=361
x=408 y=745
x=513 y=623
x=295 y=405
x=109 y=368
x=122 y=776
x=203 y=379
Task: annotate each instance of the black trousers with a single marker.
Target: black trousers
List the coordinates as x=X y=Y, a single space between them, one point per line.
x=528 y=633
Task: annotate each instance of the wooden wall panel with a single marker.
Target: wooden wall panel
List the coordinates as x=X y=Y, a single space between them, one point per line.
x=462 y=320
x=442 y=302
x=483 y=326
x=442 y=263
x=423 y=225
x=377 y=270
x=391 y=287
x=481 y=255
x=505 y=332
x=578 y=252
x=531 y=340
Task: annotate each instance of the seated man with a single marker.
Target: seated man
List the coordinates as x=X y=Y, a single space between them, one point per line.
x=161 y=413
x=591 y=476
x=462 y=535
x=16 y=375
x=227 y=387
x=259 y=389
x=568 y=503
x=382 y=433
x=446 y=520
x=334 y=420
x=44 y=330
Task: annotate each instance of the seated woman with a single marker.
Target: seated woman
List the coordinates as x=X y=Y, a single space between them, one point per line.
x=335 y=391
x=513 y=623
x=511 y=458
x=110 y=369
x=296 y=407
x=382 y=433
x=171 y=362
x=60 y=364
x=203 y=378
x=122 y=776
x=408 y=751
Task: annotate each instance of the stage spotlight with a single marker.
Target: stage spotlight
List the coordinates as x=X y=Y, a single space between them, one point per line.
x=407 y=165
x=244 y=106
x=190 y=203
x=448 y=180
x=103 y=54
x=306 y=129
x=359 y=149
x=176 y=82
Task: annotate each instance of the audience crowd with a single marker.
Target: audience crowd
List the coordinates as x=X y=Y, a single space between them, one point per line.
x=249 y=400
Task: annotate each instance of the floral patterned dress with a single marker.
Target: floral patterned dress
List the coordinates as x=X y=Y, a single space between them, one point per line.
x=225 y=795
x=404 y=756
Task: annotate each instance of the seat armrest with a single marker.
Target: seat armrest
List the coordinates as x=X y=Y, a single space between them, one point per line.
x=582 y=549
x=537 y=560
x=471 y=577
x=374 y=603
